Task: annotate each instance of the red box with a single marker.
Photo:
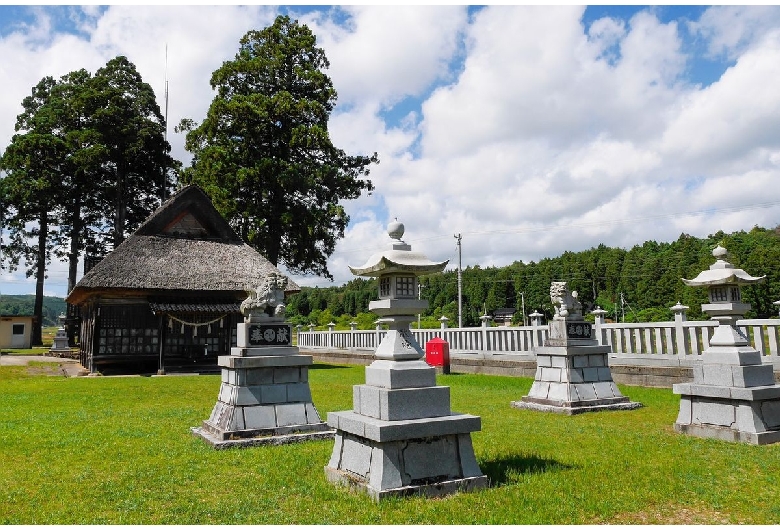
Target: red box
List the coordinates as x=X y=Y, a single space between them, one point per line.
x=437 y=353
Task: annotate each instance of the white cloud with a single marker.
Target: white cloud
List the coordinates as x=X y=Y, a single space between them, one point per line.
x=519 y=128
x=388 y=53
x=723 y=124
x=730 y=30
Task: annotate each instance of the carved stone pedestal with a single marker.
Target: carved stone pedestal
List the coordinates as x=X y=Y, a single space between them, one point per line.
x=265 y=396
x=263 y=400
x=733 y=396
x=572 y=370
x=572 y=380
x=401 y=437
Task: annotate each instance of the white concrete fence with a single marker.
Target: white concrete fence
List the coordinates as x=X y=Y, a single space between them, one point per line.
x=675 y=343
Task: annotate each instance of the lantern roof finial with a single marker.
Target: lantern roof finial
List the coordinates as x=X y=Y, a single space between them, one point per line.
x=722 y=273
x=399 y=257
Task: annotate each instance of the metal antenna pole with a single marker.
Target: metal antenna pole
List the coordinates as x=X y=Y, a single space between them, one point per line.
x=166 y=92
x=460 y=284
x=165 y=170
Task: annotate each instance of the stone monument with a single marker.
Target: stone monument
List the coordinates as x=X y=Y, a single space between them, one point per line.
x=60 y=347
x=265 y=396
x=733 y=396
x=401 y=437
x=572 y=370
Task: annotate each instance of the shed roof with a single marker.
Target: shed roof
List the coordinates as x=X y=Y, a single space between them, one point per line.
x=184 y=245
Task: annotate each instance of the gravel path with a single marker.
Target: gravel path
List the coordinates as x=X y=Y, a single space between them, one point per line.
x=68 y=367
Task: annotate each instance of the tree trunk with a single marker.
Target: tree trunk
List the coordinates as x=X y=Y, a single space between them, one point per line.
x=40 y=276
x=75 y=243
x=120 y=214
x=273 y=221
x=76 y=226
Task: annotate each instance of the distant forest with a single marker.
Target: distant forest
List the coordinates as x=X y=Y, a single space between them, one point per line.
x=22 y=304
x=636 y=285
x=648 y=277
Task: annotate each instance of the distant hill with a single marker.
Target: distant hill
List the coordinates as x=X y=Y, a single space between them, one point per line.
x=23 y=304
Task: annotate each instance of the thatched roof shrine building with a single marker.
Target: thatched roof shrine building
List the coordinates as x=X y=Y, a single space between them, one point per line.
x=169 y=295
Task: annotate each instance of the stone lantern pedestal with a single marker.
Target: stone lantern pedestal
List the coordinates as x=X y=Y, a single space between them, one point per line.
x=733 y=395
x=264 y=397
x=401 y=437
x=60 y=347
x=572 y=374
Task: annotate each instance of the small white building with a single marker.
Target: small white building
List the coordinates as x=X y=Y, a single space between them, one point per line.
x=16 y=331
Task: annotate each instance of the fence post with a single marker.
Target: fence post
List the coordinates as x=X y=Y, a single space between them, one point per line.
x=485 y=318
x=679 y=332
x=378 y=325
x=298 y=329
x=352 y=328
x=600 y=319
x=331 y=326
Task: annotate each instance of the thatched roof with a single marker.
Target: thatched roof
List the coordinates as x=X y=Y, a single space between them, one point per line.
x=185 y=245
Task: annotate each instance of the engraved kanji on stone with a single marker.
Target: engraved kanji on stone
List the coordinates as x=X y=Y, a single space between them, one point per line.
x=281 y=336
x=257 y=335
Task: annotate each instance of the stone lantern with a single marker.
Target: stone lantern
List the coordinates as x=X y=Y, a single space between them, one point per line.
x=733 y=396
x=59 y=347
x=401 y=436
x=397 y=271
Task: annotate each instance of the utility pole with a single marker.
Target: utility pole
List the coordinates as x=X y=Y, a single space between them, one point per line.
x=522 y=297
x=622 y=307
x=419 y=297
x=460 y=284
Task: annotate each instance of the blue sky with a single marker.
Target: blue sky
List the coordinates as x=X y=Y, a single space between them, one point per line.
x=529 y=130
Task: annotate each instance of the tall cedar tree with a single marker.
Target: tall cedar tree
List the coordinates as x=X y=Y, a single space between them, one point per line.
x=72 y=100
x=90 y=163
x=136 y=164
x=264 y=154
x=33 y=172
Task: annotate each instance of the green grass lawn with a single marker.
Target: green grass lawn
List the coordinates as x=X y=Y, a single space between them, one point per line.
x=118 y=450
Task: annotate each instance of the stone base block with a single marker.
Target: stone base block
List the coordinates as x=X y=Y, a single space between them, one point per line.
x=567 y=392
x=433 y=465
x=400 y=374
x=727 y=375
x=401 y=403
x=231 y=418
x=378 y=430
x=702 y=414
x=438 y=489
x=578 y=407
x=263 y=400
x=727 y=434
x=280 y=437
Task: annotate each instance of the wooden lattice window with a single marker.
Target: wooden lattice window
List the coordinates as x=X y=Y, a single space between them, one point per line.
x=127 y=330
